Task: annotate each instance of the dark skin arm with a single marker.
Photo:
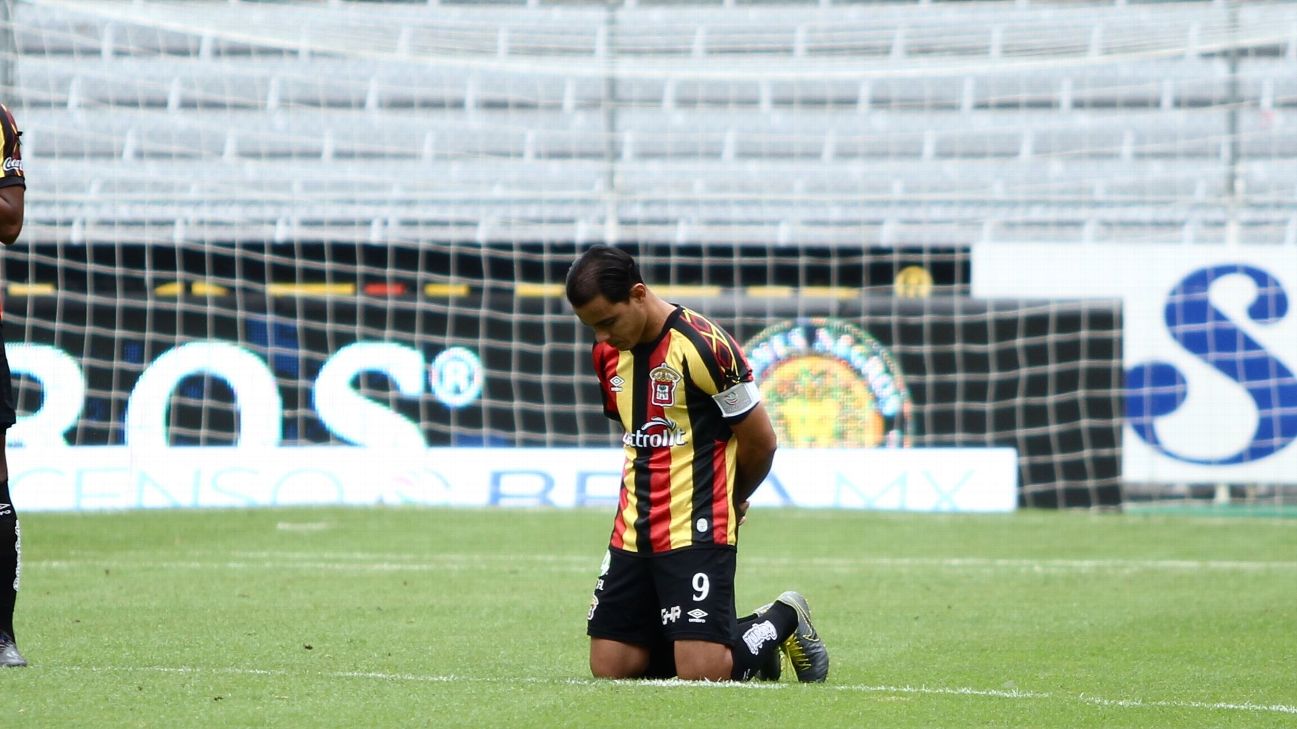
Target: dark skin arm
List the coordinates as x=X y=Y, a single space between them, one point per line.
x=11 y=213
x=756 y=453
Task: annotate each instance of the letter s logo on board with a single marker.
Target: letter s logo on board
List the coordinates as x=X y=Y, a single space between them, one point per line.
x=1156 y=389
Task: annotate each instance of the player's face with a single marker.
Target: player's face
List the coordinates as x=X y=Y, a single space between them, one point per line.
x=620 y=324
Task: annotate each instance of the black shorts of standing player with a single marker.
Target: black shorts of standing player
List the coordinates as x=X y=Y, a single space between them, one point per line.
x=687 y=594
x=8 y=416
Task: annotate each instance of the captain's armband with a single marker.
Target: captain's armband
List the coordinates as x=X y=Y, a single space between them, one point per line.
x=738 y=399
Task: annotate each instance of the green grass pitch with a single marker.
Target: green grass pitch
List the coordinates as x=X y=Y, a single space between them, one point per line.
x=377 y=617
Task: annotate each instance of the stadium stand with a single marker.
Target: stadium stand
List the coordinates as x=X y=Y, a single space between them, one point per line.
x=1087 y=122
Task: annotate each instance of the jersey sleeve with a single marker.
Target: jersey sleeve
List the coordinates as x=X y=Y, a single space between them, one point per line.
x=12 y=144
x=730 y=383
x=738 y=388
x=599 y=355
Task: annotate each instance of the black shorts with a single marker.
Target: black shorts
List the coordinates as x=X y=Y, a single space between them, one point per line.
x=8 y=416
x=683 y=595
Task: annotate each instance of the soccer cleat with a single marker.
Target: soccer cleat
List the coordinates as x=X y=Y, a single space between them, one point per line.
x=805 y=650
x=9 y=655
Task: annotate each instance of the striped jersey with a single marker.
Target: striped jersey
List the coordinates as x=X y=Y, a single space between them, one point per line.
x=12 y=172
x=675 y=397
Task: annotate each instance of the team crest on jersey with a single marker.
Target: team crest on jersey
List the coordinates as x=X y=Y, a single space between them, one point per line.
x=664 y=381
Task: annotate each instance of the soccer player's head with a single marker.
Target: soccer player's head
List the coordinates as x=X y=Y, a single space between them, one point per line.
x=607 y=293
x=602 y=271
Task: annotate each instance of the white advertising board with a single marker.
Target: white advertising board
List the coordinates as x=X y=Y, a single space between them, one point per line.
x=1209 y=343
x=121 y=477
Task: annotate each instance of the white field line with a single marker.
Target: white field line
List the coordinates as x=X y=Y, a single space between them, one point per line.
x=377 y=562
x=303 y=526
x=826 y=562
x=1011 y=694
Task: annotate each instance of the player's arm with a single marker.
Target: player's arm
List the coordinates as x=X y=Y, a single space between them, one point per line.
x=732 y=386
x=756 y=452
x=11 y=213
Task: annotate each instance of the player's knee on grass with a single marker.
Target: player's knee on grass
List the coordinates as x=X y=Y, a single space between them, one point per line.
x=616 y=660
x=698 y=660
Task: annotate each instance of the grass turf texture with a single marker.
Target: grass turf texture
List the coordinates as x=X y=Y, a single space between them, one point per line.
x=474 y=618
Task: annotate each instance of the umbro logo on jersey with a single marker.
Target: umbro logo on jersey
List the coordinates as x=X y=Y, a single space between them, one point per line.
x=697 y=616
x=615 y=384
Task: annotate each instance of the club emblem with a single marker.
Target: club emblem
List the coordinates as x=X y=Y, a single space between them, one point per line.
x=664 y=381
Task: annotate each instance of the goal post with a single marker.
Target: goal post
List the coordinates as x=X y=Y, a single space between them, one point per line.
x=387 y=196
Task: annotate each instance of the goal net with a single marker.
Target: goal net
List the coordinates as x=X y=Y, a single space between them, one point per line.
x=375 y=204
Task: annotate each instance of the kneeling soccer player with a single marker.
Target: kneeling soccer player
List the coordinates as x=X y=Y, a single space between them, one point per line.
x=698 y=442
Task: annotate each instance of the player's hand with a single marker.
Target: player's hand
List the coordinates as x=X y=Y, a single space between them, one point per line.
x=742 y=509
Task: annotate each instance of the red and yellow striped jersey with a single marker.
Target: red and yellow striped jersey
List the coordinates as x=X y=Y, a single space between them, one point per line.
x=676 y=397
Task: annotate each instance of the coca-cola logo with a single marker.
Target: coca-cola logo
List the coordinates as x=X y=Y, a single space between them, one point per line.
x=13 y=165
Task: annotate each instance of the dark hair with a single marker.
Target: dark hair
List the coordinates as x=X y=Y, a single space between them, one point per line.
x=602 y=270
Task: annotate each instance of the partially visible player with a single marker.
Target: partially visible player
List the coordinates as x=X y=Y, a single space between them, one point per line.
x=13 y=187
x=698 y=442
